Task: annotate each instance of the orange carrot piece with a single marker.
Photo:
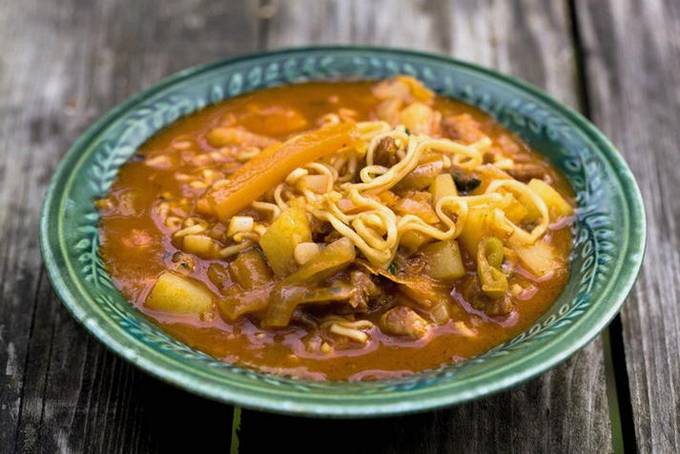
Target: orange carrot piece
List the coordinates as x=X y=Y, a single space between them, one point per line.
x=273 y=164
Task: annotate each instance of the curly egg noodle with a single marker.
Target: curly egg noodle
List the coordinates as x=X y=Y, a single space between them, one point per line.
x=374 y=228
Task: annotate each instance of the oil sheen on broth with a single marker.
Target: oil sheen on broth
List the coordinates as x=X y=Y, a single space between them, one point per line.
x=350 y=230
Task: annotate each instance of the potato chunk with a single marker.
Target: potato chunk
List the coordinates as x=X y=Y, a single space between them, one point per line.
x=476 y=227
x=557 y=206
x=539 y=258
x=179 y=295
x=282 y=237
x=200 y=245
x=443 y=186
x=444 y=260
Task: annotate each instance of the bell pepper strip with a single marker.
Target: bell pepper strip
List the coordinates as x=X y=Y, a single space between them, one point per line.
x=489 y=260
x=272 y=165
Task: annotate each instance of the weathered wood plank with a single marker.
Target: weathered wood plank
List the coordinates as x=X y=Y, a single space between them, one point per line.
x=566 y=409
x=62 y=64
x=632 y=60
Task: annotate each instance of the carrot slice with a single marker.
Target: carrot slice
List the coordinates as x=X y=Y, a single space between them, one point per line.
x=272 y=165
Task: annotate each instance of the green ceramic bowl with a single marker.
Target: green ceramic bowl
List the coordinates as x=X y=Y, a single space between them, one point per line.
x=608 y=247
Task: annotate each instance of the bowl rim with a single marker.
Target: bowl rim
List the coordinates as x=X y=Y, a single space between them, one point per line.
x=553 y=352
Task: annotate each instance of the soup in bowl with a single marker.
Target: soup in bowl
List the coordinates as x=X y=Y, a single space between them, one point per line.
x=339 y=230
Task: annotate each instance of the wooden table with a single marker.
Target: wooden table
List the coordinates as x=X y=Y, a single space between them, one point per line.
x=63 y=63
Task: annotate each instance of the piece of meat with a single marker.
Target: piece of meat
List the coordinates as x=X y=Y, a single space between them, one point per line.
x=527 y=172
x=385 y=153
x=462 y=127
x=364 y=291
x=404 y=321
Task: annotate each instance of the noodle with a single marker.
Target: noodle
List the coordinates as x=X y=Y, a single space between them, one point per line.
x=374 y=228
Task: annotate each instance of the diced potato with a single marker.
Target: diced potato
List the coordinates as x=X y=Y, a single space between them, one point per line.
x=444 y=260
x=476 y=227
x=539 y=258
x=201 y=245
x=250 y=270
x=304 y=252
x=240 y=224
x=557 y=206
x=179 y=295
x=515 y=211
x=413 y=240
x=279 y=241
x=442 y=186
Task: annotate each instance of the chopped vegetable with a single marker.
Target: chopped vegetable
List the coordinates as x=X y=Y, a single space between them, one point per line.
x=304 y=252
x=290 y=293
x=539 y=258
x=250 y=270
x=201 y=245
x=327 y=262
x=557 y=206
x=489 y=260
x=442 y=186
x=179 y=295
x=423 y=291
x=515 y=211
x=282 y=237
x=239 y=224
x=285 y=298
x=413 y=240
x=271 y=166
x=444 y=260
x=476 y=227
x=238 y=303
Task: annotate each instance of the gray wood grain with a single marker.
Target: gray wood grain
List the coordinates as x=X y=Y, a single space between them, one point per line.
x=62 y=64
x=566 y=409
x=65 y=62
x=632 y=60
